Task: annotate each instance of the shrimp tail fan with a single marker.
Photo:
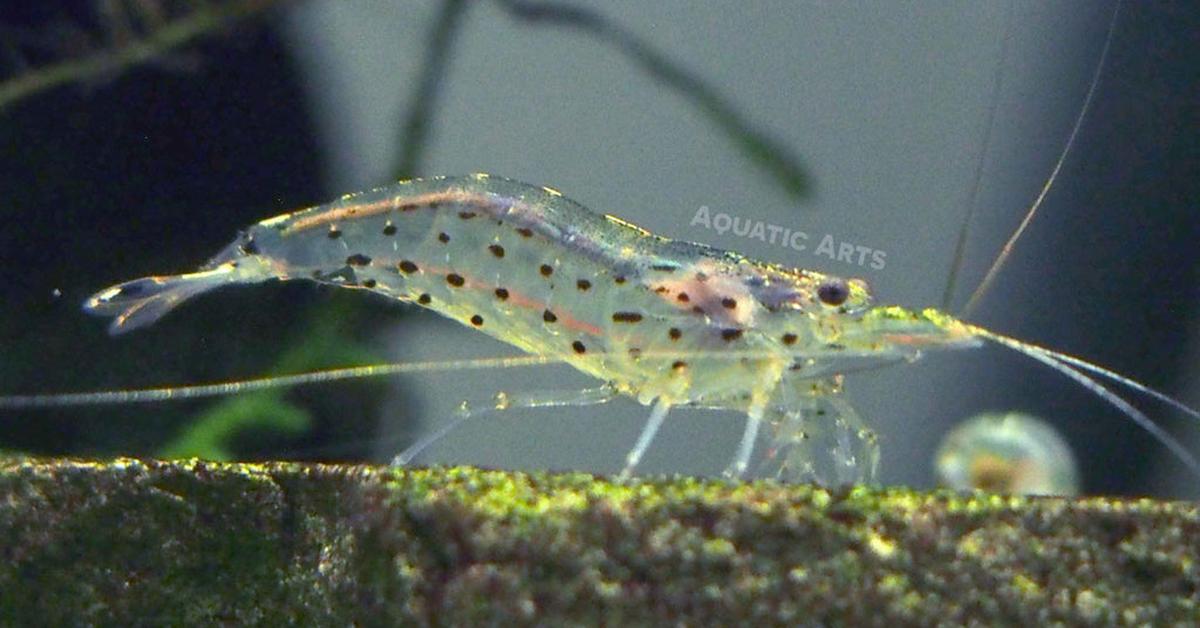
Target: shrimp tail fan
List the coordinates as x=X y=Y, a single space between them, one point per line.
x=140 y=302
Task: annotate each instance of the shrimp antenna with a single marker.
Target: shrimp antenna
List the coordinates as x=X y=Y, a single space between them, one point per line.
x=960 y=245
x=168 y=393
x=219 y=389
x=1062 y=157
x=1066 y=364
x=1131 y=383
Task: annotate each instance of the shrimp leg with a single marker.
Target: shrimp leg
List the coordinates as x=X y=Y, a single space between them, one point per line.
x=818 y=436
x=856 y=456
x=657 y=415
x=754 y=418
x=760 y=398
x=505 y=401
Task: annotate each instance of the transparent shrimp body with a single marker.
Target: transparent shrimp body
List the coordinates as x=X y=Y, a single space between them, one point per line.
x=666 y=323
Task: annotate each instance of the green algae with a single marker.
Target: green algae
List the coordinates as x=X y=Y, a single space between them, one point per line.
x=130 y=541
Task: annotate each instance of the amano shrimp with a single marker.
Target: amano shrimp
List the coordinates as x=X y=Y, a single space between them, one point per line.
x=670 y=324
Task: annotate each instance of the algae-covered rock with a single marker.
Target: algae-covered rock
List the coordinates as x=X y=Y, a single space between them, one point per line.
x=196 y=542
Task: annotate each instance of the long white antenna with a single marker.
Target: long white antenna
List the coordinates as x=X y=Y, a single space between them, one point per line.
x=166 y=393
x=181 y=392
x=960 y=245
x=1062 y=363
x=1037 y=203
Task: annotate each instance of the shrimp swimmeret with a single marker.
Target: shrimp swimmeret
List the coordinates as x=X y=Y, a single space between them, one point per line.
x=670 y=324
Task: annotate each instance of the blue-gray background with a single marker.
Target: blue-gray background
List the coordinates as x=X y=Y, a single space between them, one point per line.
x=886 y=105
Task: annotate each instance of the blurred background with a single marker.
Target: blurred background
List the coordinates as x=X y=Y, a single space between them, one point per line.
x=137 y=137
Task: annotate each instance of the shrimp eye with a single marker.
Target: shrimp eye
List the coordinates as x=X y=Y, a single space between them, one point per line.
x=833 y=292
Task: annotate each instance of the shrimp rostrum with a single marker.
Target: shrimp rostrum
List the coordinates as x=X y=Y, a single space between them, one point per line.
x=669 y=324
